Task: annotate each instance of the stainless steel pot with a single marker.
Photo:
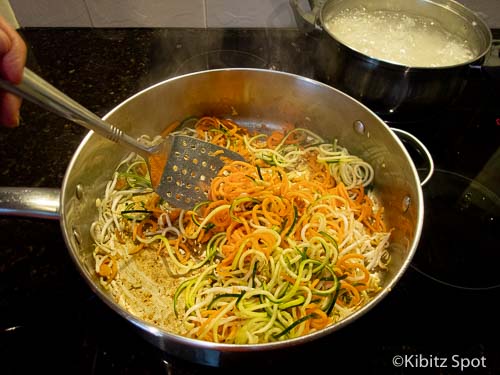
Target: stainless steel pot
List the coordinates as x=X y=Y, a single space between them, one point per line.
x=258 y=96
x=387 y=87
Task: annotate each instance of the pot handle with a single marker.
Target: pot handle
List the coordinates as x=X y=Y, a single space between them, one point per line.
x=307 y=20
x=41 y=203
x=420 y=148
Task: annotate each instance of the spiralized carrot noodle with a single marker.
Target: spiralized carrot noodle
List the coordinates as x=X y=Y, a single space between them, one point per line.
x=288 y=242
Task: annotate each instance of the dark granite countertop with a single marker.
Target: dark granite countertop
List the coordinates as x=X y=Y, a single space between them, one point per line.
x=49 y=318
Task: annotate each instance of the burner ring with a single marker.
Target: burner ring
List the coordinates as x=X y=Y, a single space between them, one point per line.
x=459 y=244
x=220 y=59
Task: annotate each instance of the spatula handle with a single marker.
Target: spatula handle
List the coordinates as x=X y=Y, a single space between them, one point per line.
x=36 y=90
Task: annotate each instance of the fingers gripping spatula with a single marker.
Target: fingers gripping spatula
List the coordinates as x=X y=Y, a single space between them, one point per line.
x=189 y=164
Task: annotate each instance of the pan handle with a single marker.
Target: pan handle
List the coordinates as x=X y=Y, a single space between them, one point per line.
x=420 y=148
x=41 y=203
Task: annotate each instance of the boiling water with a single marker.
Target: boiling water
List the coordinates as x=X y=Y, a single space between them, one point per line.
x=399 y=38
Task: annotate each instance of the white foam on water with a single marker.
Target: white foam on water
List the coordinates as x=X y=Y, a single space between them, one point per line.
x=398 y=37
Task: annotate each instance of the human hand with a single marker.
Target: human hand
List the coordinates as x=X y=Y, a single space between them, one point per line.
x=12 y=61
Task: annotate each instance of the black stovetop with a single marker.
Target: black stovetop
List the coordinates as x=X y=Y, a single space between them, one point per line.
x=443 y=307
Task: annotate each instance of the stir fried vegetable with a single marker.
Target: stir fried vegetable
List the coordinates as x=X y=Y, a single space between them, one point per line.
x=289 y=242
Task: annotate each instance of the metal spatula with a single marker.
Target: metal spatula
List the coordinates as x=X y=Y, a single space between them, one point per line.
x=189 y=163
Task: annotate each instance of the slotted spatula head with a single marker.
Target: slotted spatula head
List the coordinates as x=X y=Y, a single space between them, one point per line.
x=190 y=167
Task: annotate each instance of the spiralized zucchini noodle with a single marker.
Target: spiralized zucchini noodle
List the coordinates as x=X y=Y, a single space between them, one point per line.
x=289 y=242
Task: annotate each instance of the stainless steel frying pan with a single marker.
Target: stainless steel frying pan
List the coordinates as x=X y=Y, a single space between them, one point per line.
x=258 y=97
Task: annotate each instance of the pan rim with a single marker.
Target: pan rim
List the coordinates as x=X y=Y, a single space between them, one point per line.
x=163 y=334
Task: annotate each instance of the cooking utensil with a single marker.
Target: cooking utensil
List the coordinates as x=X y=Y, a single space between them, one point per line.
x=258 y=97
x=188 y=164
x=388 y=88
